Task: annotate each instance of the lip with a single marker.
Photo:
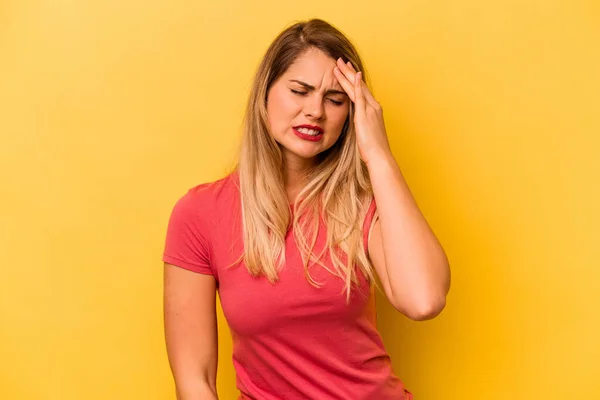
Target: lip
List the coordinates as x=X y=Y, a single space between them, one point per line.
x=314 y=127
x=301 y=135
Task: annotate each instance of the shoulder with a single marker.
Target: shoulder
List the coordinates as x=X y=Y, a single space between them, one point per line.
x=209 y=197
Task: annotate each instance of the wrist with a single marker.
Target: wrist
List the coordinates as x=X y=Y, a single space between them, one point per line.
x=381 y=159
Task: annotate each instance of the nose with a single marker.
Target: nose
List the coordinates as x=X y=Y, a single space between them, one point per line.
x=314 y=107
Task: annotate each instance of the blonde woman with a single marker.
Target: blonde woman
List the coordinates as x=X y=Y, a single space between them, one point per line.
x=296 y=237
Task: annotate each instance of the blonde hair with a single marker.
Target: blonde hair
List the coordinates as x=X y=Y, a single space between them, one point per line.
x=337 y=189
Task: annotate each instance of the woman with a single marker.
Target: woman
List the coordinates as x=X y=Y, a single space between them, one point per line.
x=295 y=237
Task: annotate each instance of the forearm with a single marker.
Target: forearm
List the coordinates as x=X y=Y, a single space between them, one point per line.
x=416 y=264
x=200 y=390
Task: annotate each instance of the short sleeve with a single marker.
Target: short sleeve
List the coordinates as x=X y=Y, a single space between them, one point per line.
x=186 y=243
x=368 y=223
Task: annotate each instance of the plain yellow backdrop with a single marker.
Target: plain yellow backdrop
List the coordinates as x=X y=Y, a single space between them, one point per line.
x=110 y=110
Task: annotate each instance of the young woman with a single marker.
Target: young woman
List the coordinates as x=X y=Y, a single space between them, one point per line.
x=296 y=237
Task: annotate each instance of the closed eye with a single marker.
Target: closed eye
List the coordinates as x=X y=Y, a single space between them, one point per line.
x=300 y=93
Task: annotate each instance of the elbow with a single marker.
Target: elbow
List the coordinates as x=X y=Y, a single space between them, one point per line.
x=425 y=309
x=429 y=302
x=424 y=301
x=428 y=311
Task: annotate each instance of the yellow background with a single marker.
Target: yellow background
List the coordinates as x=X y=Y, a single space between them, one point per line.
x=110 y=110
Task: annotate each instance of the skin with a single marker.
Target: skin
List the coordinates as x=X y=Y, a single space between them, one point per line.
x=291 y=104
x=408 y=258
x=406 y=255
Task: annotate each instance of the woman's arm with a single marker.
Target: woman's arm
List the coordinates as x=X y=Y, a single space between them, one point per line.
x=191 y=332
x=407 y=256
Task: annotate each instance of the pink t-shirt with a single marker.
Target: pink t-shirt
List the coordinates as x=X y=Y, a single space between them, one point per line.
x=290 y=339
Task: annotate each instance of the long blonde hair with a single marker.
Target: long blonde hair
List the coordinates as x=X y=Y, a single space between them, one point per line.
x=337 y=189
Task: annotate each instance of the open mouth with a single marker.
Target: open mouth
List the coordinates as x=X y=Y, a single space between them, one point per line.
x=312 y=133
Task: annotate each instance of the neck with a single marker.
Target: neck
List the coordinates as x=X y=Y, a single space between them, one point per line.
x=294 y=175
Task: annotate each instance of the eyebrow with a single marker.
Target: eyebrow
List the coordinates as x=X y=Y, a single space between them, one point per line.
x=311 y=87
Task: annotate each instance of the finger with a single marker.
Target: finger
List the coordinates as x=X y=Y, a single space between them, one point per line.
x=348 y=73
x=358 y=91
x=368 y=95
x=347 y=85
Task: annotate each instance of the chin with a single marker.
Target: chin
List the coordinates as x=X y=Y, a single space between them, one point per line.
x=306 y=155
x=302 y=150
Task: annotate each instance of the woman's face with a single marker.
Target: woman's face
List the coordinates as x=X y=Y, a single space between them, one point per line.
x=307 y=107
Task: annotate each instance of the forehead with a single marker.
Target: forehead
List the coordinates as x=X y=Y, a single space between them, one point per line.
x=315 y=68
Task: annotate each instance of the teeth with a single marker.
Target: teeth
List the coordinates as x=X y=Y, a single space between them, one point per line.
x=306 y=131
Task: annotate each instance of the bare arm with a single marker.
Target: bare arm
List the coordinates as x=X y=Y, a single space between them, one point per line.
x=406 y=254
x=191 y=332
